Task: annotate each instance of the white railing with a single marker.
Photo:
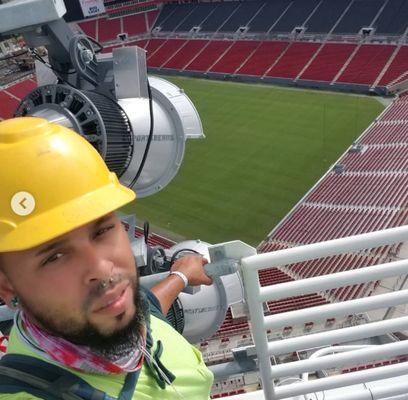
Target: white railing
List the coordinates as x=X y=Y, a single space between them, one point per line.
x=399 y=84
x=398 y=87
x=260 y=323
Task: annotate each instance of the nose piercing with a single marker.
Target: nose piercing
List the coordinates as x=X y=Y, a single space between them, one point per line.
x=103 y=284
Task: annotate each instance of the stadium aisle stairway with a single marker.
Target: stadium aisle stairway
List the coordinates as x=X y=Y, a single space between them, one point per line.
x=371 y=63
x=244 y=14
x=268 y=16
x=182 y=58
x=165 y=52
x=393 y=19
x=209 y=56
x=151 y=18
x=235 y=56
x=294 y=59
x=369 y=193
x=280 y=59
x=328 y=62
x=105 y=29
x=195 y=18
x=367 y=63
x=176 y=18
x=256 y=58
x=266 y=54
x=398 y=67
x=360 y=14
x=153 y=45
x=340 y=16
x=297 y=13
x=326 y=15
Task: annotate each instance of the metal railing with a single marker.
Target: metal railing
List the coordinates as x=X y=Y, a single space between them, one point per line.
x=256 y=295
x=398 y=85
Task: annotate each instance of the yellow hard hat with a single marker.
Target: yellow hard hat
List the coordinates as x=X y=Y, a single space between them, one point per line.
x=51 y=182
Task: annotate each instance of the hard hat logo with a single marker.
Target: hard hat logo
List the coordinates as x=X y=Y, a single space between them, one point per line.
x=23 y=203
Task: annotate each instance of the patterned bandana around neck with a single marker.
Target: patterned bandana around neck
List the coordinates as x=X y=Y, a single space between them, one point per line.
x=80 y=358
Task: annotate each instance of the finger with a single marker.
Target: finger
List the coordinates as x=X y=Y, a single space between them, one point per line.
x=208 y=280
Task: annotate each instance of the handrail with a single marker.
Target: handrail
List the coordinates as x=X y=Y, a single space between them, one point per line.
x=399 y=84
x=256 y=295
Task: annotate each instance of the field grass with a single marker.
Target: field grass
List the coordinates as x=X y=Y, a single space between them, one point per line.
x=264 y=148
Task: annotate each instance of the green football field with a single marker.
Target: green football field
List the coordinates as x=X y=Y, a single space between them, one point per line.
x=264 y=149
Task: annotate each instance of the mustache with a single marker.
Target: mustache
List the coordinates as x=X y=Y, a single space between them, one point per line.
x=99 y=289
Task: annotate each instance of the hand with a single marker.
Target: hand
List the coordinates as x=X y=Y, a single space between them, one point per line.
x=193 y=268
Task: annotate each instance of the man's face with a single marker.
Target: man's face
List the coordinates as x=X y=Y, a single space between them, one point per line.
x=81 y=285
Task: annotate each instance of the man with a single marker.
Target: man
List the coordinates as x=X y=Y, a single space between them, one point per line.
x=67 y=267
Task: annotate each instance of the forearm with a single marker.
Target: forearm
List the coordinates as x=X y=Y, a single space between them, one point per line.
x=167 y=291
x=192 y=267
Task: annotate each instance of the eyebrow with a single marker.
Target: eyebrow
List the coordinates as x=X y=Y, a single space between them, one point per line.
x=51 y=246
x=59 y=243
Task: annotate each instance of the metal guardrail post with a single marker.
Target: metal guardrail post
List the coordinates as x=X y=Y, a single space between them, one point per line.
x=256 y=295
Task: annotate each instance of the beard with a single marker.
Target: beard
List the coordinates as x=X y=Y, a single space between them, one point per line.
x=111 y=345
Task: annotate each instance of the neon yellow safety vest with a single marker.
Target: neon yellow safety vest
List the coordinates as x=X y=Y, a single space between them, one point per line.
x=193 y=379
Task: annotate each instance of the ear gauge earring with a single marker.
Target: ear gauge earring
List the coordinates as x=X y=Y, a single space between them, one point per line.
x=14 y=302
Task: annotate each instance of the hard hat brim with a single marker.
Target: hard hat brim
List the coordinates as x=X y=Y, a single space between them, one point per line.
x=67 y=217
